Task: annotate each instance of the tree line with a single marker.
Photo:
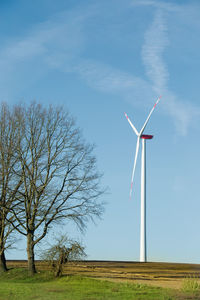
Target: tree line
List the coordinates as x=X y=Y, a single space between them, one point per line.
x=48 y=174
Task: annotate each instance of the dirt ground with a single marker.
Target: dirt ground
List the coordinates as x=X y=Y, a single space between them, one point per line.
x=168 y=275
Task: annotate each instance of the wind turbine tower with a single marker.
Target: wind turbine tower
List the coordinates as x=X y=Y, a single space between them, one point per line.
x=142 y=137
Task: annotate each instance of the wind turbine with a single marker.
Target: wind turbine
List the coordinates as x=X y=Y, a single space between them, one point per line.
x=143 y=137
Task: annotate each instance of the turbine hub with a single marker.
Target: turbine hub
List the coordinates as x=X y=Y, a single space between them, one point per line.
x=146 y=136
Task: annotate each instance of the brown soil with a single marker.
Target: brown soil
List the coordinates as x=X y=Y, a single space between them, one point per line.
x=168 y=275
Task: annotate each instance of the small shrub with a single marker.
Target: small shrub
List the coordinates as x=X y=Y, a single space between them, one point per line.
x=63 y=251
x=191 y=284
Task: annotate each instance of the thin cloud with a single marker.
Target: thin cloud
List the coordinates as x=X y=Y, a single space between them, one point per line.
x=61 y=43
x=184 y=113
x=58 y=45
x=155 y=43
x=108 y=79
x=157 y=4
x=49 y=39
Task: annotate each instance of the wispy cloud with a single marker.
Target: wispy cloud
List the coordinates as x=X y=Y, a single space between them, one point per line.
x=167 y=6
x=155 y=43
x=60 y=43
x=60 y=36
x=184 y=113
x=108 y=79
x=52 y=44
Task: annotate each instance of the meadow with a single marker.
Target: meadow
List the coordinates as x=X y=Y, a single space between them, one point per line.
x=102 y=280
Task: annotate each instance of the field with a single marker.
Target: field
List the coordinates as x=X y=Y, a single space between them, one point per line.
x=103 y=280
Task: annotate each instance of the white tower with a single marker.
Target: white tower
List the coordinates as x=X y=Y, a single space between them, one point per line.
x=143 y=137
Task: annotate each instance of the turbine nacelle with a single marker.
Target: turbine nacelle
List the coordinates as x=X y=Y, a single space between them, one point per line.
x=146 y=136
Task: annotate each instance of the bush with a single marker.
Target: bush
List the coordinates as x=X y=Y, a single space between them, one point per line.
x=191 y=284
x=63 y=251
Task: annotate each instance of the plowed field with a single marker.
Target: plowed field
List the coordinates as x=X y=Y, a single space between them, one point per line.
x=158 y=274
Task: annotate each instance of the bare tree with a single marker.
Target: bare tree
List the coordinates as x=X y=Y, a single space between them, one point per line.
x=9 y=183
x=63 y=251
x=58 y=174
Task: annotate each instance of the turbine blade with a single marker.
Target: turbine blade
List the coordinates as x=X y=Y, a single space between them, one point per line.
x=145 y=123
x=135 y=130
x=135 y=161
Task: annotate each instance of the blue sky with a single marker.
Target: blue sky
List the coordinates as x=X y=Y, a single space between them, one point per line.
x=100 y=59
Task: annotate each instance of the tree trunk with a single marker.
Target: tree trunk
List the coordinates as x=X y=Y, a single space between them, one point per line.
x=60 y=263
x=30 y=254
x=3 y=267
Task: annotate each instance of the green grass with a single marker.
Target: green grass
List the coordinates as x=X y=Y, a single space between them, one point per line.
x=16 y=284
x=191 y=285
